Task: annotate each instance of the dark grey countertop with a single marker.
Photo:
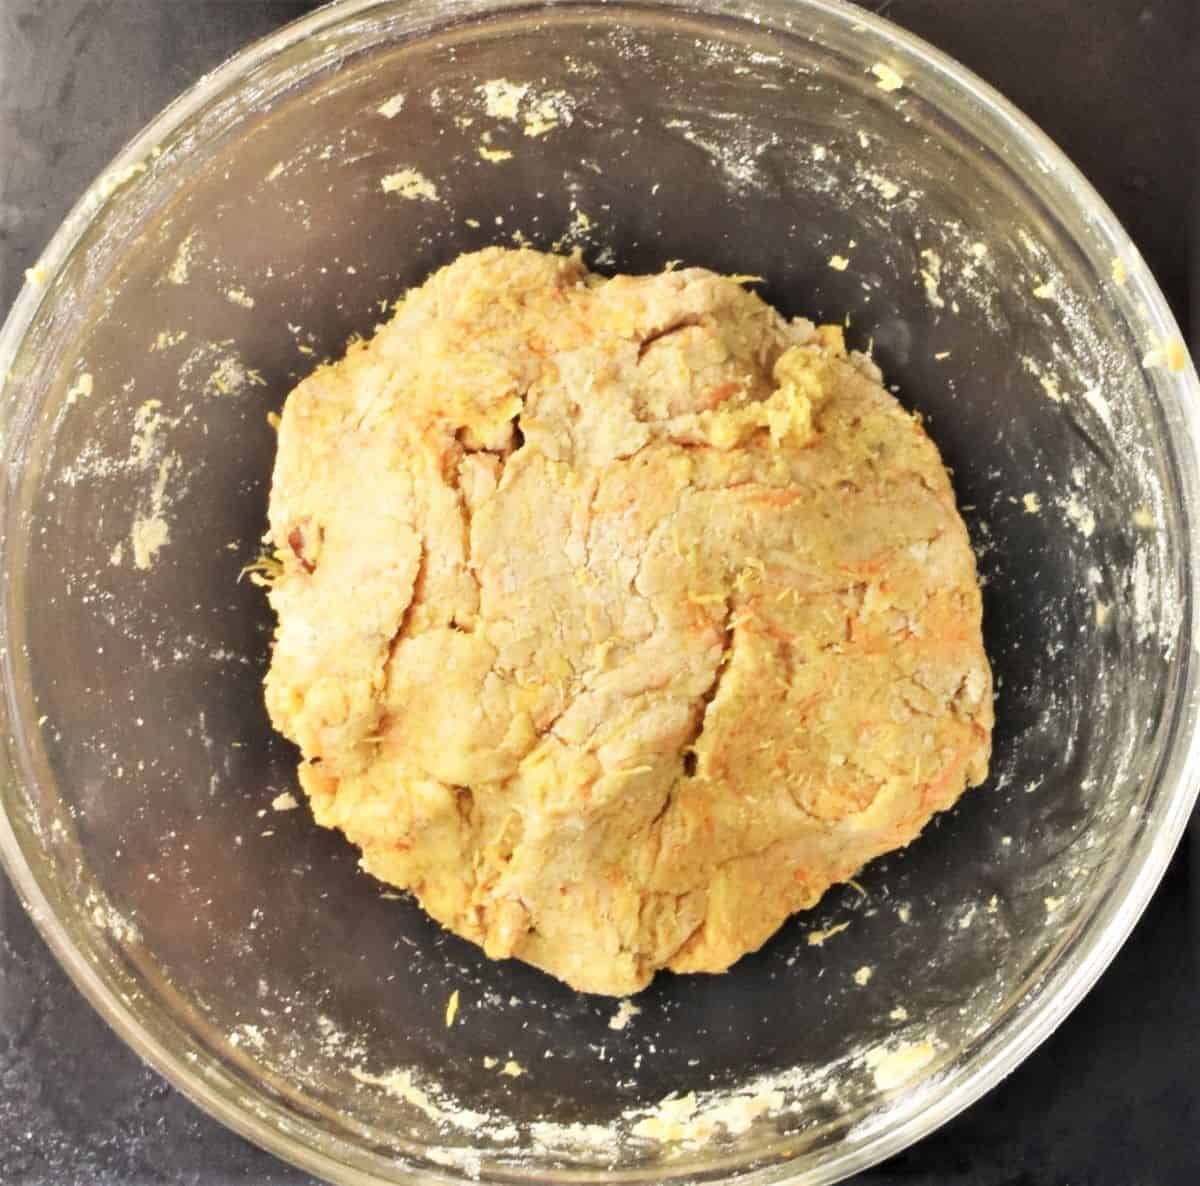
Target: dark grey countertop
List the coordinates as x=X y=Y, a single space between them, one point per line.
x=1113 y=1098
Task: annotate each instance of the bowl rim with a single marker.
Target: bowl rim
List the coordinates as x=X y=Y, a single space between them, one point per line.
x=1109 y=925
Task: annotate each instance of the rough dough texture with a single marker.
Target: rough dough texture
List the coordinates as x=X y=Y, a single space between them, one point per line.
x=618 y=619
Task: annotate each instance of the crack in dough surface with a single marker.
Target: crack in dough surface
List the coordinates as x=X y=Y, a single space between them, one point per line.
x=618 y=618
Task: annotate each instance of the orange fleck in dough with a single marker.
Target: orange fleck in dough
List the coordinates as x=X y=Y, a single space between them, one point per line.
x=618 y=619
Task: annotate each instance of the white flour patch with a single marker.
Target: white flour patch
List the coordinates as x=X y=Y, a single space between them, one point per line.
x=596 y=1138
x=107 y=918
x=444 y=1112
x=886 y=188
x=181 y=267
x=1100 y=406
x=249 y=1036
x=894 y=1065
x=577 y=232
x=1081 y=516
x=1142 y=590
x=732 y=149
x=150 y=531
x=167 y=339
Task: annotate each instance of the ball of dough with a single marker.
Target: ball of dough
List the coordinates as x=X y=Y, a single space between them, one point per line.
x=618 y=618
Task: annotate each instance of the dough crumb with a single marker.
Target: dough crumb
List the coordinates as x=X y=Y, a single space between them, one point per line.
x=513 y=1070
x=625 y=1013
x=1032 y=503
x=884 y=186
x=863 y=975
x=285 y=802
x=931 y=277
x=1169 y=353
x=577 y=230
x=392 y=107
x=452 y=1008
x=1051 y=388
x=410 y=184
x=839 y=263
x=80 y=389
x=165 y=339
x=148 y=536
x=887 y=78
x=502 y=98
x=547 y=113
x=818 y=938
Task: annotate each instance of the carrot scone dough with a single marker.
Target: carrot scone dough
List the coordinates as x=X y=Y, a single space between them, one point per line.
x=618 y=618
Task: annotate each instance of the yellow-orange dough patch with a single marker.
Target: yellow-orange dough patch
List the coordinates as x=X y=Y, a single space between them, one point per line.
x=618 y=618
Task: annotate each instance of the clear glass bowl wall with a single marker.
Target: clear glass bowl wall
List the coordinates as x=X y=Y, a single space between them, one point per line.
x=245 y=236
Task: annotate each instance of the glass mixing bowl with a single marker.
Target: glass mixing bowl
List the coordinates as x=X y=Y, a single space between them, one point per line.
x=276 y=209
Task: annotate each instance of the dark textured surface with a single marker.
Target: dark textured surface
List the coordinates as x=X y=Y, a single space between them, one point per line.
x=1112 y=1099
